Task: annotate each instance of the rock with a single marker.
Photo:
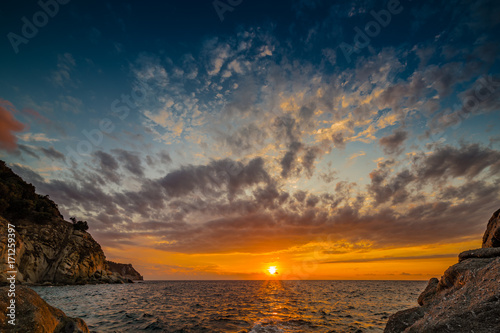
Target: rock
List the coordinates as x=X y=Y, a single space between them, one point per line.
x=465 y=299
x=468 y=302
x=491 y=237
x=125 y=270
x=34 y=315
x=53 y=252
x=487 y=252
x=428 y=294
x=399 y=321
x=459 y=274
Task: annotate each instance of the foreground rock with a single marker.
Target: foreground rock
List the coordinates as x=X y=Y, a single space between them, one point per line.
x=465 y=299
x=34 y=315
x=125 y=270
x=49 y=250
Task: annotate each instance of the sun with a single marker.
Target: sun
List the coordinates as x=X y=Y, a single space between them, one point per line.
x=272 y=270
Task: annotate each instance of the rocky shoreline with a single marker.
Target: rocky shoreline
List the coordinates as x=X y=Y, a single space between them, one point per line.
x=465 y=299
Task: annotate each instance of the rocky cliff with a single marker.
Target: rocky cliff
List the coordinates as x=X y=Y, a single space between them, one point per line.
x=48 y=249
x=465 y=299
x=34 y=315
x=125 y=270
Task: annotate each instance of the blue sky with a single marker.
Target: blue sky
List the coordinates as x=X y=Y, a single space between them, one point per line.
x=277 y=124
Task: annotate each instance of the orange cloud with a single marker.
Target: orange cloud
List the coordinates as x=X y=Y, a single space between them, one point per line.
x=8 y=124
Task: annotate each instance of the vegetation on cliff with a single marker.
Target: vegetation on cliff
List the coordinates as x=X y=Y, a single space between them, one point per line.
x=18 y=200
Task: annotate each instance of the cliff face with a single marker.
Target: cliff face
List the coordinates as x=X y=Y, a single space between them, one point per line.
x=465 y=299
x=48 y=249
x=53 y=252
x=125 y=270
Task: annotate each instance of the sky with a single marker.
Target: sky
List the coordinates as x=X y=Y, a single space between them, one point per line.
x=214 y=139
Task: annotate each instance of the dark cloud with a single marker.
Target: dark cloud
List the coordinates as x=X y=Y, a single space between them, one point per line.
x=288 y=161
x=308 y=159
x=339 y=140
x=52 y=153
x=222 y=174
x=27 y=150
x=164 y=157
x=108 y=166
x=465 y=161
x=393 y=143
x=245 y=138
x=300 y=196
x=131 y=161
x=306 y=112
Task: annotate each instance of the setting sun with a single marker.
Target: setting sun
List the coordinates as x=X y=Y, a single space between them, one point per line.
x=272 y=270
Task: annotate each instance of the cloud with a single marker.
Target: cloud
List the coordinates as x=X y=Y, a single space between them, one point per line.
x=425 y=257
x=393 y=143
x=131 y=161
x=468 y=160
x=108 y=166
x=8 y=125
x=65 y=65
x=289 y=159
x=28 y=150
x=36 y=137
x=52 y=153
x=356 y=155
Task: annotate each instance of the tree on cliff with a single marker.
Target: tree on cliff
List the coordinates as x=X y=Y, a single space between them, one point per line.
x=79 y=225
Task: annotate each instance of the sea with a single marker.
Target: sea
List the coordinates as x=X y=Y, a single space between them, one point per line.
x=235 y=306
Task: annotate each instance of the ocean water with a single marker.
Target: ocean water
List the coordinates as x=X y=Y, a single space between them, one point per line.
x=236 y=306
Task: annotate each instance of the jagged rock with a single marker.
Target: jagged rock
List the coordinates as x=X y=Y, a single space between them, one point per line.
x=125 y=270
x=459 y=274
x=34 y=315
x=491 y=237
x=465 y=299
x=428 y=294
x=487 y=252
x=398 y=322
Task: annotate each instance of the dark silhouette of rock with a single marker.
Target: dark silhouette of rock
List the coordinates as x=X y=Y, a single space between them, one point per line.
x=491 y=237
x=34 y=315
x=125 y=270
x=465 y=299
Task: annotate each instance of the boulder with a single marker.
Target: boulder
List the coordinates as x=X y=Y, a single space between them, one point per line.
x=428 y=294
x=491 y=237
x=34 y=315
